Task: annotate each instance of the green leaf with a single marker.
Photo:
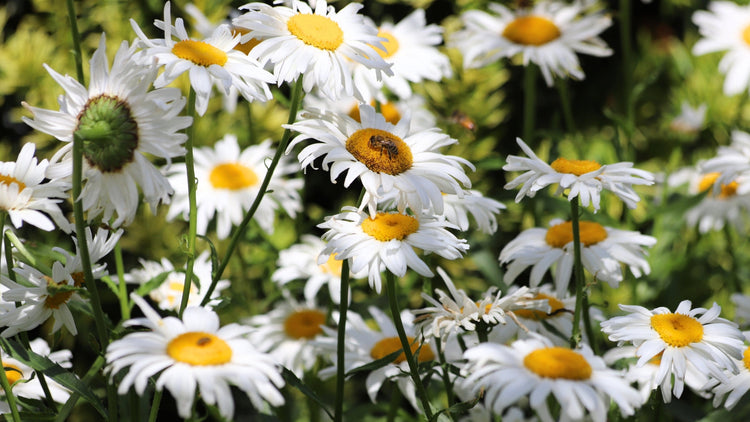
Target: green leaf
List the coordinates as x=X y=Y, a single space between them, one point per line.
x=295 y=382
x=376 y=364
x=52 y=370
x=152 y=284
x=458 y=408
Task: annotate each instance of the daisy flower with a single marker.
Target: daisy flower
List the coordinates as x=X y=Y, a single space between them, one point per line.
x=42 y=296
x=726 y=27
x=387 y=241
x=455 y=309
x=229 y=181
x=411 y=46
x=314 y=43
x=645 y=376
x=209 y=60
x=580 y=382
x=288 y=333
x=384 y=157
x=717 y=208
x=735 y=387
x=690 y=120
x=732 y=162
x=300 y=261
x=456 y=209
x=552 y=318
x=120 y=121
x=25 y=384
x=25 y=195
x=698 y=336
x=364 y=345
x=168 y=294
x=584 y=178
x=548 y=34
x=603 y=251
x=194 y=353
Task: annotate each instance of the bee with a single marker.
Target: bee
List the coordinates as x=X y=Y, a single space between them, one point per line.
x=462 y=119
x=385 y=144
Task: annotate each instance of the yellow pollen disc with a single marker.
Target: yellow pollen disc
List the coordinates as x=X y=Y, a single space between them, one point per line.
x=558 y=362
x=332 y=266
x=388 y=110
x=554 y=305
x=531 y=30
x=54 y=301
x=199 y=349
x=317 y=31
x=385 y=227
x=577 y=167
x=677 y=330
x=390 y=345
x=304 y=324
x=13 y=373
x=7 y=180
x=174 y=294
x=391 y=45
x=199 y=52
x=707 y=183
x=746 y=357
x=746 y=35
x=561 y=234
x=232 y=176
x=380 y=151
x=244 y=47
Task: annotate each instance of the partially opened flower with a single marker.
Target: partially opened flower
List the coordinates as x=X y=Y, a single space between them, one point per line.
x=411 y=47
x=699 y=336
x=549 y=35
x=386 y=158
x=584 y=178
x=690 y=120
x=209 y=60
x=603 y=251
x=194 y=354
x=120 y=122
x=363 y=345
x=229 y=181
x=388 y=241
x=726 y=27
x=27 y=197
x=288 y=333
x=314 y=44
x=581 y=384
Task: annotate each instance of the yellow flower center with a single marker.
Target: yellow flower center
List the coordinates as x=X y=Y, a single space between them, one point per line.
x=746 y=35
x=12 y=372
x=558 y=362
x=380 y=151
x=304 y=324
x=388 y=110
x=531 y=30
x=332 y=266
x=746 y=358
x=391 y=44
x=577 y=167
x=554 y=304
x=7 y=180
x=54 y=301
x=317 y=31
x=199 y=349
x=385 y=227
x=174 y=294
x=232 y=176
x=199 y=52
x=244 y=47
x=707 y=183
x=561 y=234
x=390 y=345
x=677 y=330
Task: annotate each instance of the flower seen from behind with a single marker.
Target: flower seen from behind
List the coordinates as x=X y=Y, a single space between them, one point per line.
x=194 y=354
x=584 y=178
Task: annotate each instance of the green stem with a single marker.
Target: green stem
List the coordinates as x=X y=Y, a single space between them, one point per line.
x=575 y=338
x=446 y=375
x=413 y=368
x=296 y=98
x=25 y=254
x=192 y=219
x=122 y=291
x=529 y=102
x=731 y=277
x=562 y=89
x=155 y=406
x=588 y=326
x=9 y=397
x=71 y=403
x=76 y=41
x=341 y=342
x=393 y=406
